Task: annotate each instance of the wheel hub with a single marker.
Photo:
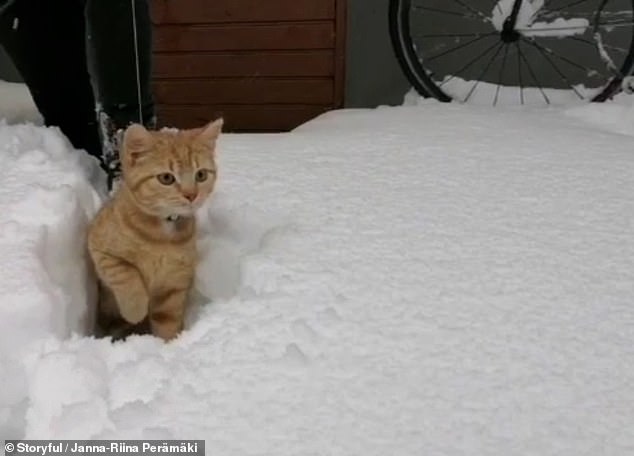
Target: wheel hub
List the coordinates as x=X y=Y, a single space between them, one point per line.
x=510 y=36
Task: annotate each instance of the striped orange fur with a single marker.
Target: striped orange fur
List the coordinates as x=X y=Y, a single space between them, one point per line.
x=143 y=241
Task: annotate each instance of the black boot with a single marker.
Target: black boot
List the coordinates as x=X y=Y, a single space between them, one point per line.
x=112 y=135
x=119 y=60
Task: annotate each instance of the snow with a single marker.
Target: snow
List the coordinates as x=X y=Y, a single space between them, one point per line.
x=47 y=201
x=485 y=93
x=616 y=117
x=436 y=279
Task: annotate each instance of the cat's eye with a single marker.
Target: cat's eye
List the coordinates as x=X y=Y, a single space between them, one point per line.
x=202 y=175
x=166 y=178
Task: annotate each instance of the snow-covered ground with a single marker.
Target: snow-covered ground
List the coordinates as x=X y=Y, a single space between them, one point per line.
x=433 y=279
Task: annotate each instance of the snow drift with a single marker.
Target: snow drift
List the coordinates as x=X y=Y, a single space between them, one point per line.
x=437 y=279
x=45 y=278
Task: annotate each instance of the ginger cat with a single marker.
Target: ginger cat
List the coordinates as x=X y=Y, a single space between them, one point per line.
x=143 y=241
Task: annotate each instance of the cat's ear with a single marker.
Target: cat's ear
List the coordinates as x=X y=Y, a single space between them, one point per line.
x=137 y=141
x=209 y=133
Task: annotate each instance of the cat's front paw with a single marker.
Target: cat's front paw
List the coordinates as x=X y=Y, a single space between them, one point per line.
x=134 y=312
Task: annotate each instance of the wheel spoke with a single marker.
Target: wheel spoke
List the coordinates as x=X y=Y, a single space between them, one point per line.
x=442 y=11
x=460 y=46
x=469 y=63
x=615 y=24
x=571 y=4
x=497 y=90
x=555 y=67
x=594 y=45
x=578 y=27
x=480 y=14
x=531 y=72
x=519 y=71
x=560 y=57
x=481 y=75
x=545 y=14
x=451 y=35
x=497 y=5
x=535 y=14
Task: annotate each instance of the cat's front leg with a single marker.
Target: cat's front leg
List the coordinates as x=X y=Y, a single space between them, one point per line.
x=126 y=283
x=167 y=314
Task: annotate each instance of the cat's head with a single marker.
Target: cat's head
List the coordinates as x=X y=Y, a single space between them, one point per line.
x=170 y=173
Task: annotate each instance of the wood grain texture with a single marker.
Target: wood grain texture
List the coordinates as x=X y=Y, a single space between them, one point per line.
x=240 y=118
x=244 y=64
x=183 y=38
x=214 y=11
x=264 y=65
x=244 y=91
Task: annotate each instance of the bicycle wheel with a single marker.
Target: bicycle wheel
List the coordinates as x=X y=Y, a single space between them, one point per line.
x=514 y=51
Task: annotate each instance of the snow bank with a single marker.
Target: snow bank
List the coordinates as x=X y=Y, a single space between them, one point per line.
x=616 y=116
x=441 y=280
x=490 y=94
x=46 y=202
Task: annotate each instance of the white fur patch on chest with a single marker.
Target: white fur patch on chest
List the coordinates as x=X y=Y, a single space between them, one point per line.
x=169 y=227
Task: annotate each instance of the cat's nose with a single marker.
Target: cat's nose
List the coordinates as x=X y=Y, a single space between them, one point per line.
x=191 y=196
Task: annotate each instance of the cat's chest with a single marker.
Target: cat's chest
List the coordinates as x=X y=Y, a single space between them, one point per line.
x=166 y=266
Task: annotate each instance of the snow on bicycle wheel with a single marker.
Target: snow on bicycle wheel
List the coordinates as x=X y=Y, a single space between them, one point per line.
x=533 y=52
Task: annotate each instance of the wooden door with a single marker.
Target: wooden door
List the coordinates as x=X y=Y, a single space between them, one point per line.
x=264 y=65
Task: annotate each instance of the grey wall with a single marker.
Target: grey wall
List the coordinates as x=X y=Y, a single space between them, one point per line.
x=373 y=76
x=7 y=70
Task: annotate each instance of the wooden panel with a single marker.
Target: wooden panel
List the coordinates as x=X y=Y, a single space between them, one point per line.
x=263 y=65
x=239 y=118
x=214 y=11
x=244 y=37
x=305 y=63
x=244 y=91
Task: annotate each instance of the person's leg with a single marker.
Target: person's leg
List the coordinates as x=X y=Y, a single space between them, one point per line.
x=120 y=63
x=45 y=40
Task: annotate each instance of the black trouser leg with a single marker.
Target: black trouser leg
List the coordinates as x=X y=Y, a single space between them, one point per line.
x=112 y=60
x=45 y=40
